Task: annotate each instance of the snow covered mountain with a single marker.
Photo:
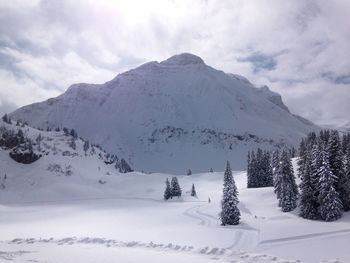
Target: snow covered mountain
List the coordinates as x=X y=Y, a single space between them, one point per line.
x=173 y=115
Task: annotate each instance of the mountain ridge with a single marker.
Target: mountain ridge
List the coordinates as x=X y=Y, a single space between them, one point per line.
x=173 y=115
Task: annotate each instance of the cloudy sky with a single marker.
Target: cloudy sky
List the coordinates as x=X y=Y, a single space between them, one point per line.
x=300 y=49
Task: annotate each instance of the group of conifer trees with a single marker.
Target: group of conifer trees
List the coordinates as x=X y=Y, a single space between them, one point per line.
x=259 y=170
x=324 y=168
x=172 y=188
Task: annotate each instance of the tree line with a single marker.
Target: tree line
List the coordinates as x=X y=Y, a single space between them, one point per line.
x=324 y=169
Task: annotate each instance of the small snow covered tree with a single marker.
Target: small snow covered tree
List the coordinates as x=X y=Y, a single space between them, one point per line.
x=74 y=134
x=189 y=172
x=230 y=213
x=288 y=192
x=193 y=191
x=123 y=166
x=72 y=144
x=175 y=187
x=167 y=192
x=5 y=118
x=252 y=180
x=86 y=146
x=65 y=131
x=330 y=203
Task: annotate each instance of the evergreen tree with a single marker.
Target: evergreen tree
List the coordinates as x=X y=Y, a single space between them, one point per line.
x=230 y=213
x=211 y=170
x=72 y=144
x=249 y=170
x=302 y=158
x=342 y=184
x=74 y=134
x=292 y=152
x=308 y=202
x=5 y=118
x=193 y=191
x=268 y=171
x=277 y=174
x=65 y=131
x=167 y=192
x=345 y=142
x=189 y=172
x=330 y=204
x=259 y=169
x=175 y=187
x=86 y=146
x=275 y=160
x=252 y=180
x=288 y=188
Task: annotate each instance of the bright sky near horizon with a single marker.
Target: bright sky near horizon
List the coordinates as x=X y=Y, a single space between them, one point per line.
x=298 y=48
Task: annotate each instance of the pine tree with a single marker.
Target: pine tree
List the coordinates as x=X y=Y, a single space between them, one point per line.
x=252 y=180
x=345 y=142
x=288 y=188
x=211 y=170
x=86 y=146
x=268 y=171
x=193 y=191
x=5 y=118
x=167 y=192
x=302 y=158
x=275 y=160
x=346 y=179
x=330 y=203
x=230 y=213
x=72 y=144
x=249 y=170
x=74 y=134
x=308 y=202
x=277 y=174
x=342 y=184
x=175 y=187
x=189 y=172
x=65 y=131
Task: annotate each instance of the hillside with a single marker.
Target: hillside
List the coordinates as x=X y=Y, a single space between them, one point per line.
x=75 y=207
x=173 y=115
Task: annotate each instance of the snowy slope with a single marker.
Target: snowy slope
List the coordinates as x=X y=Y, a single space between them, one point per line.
x=47 y=216
x=173 y=115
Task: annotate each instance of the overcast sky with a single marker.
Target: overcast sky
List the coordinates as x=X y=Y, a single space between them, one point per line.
x=300 y=49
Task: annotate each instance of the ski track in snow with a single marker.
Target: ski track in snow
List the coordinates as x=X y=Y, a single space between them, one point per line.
x=214 y=253
x=243 y=235
x=193 y=212
x=301 y=237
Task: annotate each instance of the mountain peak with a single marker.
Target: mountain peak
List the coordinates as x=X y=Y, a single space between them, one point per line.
x=184 y=59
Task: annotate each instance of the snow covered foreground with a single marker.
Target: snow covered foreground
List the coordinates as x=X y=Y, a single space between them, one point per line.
x=95 y=214
x=50 y=218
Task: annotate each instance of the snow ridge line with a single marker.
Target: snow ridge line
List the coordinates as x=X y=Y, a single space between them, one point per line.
x=214 y=252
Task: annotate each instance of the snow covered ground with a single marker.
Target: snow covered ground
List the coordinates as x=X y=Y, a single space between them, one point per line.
x=46 y=216
x=126 y=220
